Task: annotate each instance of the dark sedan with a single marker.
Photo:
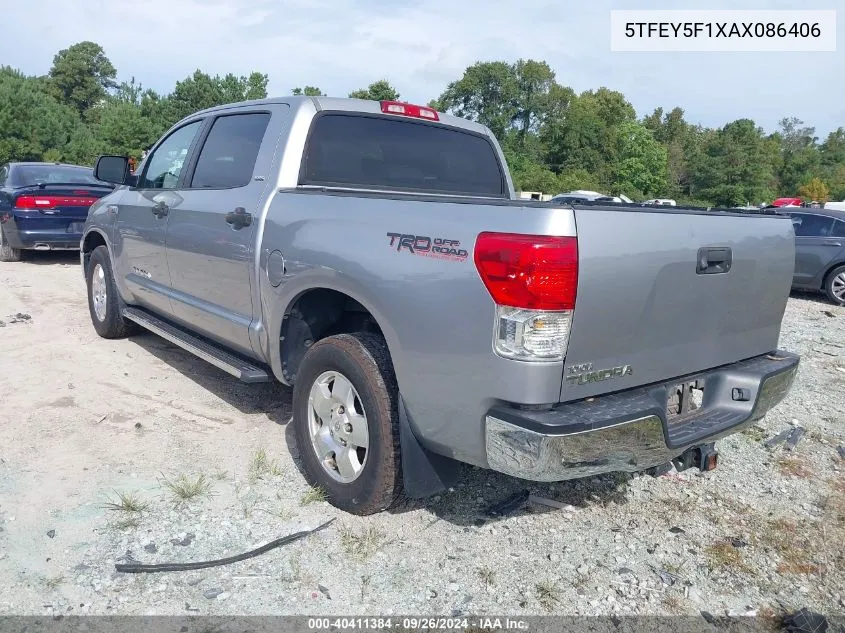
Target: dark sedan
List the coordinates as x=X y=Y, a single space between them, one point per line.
x=44 y=205
x=819 y=251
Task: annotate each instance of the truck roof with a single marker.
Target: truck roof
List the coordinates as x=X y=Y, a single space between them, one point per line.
x=340 y=104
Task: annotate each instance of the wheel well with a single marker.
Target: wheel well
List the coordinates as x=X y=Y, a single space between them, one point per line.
x=92 y=241
x=316 y=314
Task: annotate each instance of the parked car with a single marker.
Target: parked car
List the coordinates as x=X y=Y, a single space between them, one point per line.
x=44 y=205
x=660 y=202
x=820 y=252
x=372 y=255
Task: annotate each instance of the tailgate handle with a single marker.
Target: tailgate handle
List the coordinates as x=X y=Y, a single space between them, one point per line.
x=713 y=260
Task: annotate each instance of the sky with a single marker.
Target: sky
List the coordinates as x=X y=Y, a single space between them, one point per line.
x=422 y=45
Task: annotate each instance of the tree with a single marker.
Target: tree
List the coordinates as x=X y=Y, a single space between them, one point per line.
x=380 y=90
x=200 y=91
x=800 y=154
x=308 y=91
x=82 y=75
x=32 y=122
x=641 y=167
x=815 y=189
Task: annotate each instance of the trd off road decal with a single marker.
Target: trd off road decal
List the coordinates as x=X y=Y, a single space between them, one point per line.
x=437 y=247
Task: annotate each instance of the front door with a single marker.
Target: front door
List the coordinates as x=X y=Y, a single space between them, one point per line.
x=211 y=235
x=142 y=217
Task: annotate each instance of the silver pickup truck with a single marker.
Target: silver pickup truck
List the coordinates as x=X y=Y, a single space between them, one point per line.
x=372 y=256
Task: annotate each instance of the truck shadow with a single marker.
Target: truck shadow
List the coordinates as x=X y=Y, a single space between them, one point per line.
x=271 y=398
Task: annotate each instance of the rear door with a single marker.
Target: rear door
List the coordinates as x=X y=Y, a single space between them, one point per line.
x=818 y=242
x=211 y=234
x=663 y=293
x=142 y=217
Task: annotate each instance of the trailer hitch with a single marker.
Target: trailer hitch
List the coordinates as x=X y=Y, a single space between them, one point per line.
x=705 y=457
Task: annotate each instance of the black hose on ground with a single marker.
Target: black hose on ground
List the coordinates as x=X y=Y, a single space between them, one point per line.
x=139 y=568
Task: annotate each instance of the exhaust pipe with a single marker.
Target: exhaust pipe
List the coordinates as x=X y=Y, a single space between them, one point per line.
x=42 y=247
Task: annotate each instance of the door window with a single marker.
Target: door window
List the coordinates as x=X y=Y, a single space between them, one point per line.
x=164 y=165
x=229 y=153
x=809 y=225
x=838 y=229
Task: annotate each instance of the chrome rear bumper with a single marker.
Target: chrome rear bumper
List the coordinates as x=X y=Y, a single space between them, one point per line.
x=628 y=431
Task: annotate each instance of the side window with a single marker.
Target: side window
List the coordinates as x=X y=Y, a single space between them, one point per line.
x=165 y=164
x=809 y=225
x=229 y=153
x=838 y=229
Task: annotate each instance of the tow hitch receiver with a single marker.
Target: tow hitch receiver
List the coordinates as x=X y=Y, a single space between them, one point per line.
x=704 y=457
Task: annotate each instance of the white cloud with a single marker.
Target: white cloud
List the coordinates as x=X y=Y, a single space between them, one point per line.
x=420 y=46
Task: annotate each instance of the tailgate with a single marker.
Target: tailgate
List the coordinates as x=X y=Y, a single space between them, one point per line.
x=653 y=303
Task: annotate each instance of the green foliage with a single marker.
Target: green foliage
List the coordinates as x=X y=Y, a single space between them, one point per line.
x=380 y=90
x=554 y=140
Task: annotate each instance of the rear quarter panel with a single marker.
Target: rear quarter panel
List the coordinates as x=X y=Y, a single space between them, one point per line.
x=436 y=314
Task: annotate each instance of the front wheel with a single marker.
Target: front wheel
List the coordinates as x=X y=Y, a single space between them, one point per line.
x=103 y=300
x=7 y=253
x=835 y=286
x=346 y=422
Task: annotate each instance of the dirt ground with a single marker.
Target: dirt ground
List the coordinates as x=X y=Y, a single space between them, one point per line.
x=198 y=466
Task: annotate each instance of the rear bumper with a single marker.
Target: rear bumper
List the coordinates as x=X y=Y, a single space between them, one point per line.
x=53 y=238
x=629 y=431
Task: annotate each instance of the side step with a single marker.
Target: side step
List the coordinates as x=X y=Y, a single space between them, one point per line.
x=231 y=364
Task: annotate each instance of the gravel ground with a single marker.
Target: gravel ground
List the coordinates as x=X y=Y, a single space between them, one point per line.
x=86 y=420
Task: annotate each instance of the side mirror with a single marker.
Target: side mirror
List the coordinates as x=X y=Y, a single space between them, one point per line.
x=114 y=169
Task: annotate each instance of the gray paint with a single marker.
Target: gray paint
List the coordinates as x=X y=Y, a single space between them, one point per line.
x=436 y=315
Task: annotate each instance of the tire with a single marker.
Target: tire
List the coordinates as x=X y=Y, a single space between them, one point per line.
x=103 y=298
x=7 y=253
x=834 y=286
x=363 y=361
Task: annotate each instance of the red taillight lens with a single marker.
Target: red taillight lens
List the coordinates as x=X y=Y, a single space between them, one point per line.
x=534 y=272
x=51 y=202
x=406 y=109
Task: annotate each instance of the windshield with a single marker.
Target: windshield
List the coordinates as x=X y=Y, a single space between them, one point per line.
x=24 y=175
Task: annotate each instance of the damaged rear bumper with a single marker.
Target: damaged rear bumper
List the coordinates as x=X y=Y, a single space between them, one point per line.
x=631 y=430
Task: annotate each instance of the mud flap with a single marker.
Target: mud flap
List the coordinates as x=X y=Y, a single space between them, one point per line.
x=424 y=473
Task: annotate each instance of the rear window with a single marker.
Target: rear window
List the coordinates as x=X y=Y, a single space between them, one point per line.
x=399 y=155
x=24 y=175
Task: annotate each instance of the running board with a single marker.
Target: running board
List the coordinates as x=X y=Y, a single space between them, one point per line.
x=231 y=364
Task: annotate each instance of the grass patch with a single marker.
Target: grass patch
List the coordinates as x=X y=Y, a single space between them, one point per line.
x=220 y=475
x=725 y=556
x=673 y=603
x=794 y=544
x=548 y=594
x=361 y=545
x=184 y=488
x=314 y=495
x=794 y=467
x=487 y=576
x=127 y=502
x=54 y=582
x=755 y=433
x=126 y=523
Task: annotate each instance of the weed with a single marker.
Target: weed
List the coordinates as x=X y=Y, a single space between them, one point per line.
x=220 y=475
x=127 y=502
x=793 y=543
x=794 y=467
x=363 y=544
x=183 y=488
x=724 y=555
x=755 y=433
x=548 y=594
x=54 y=582
x=260 y=464
x=314 y=495
x=487 y=576
x=126 y=523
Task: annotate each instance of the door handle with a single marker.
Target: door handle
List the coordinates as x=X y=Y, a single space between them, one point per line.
x=160 y=209
x=239 y=218
x=713 y=260
x=832 y=243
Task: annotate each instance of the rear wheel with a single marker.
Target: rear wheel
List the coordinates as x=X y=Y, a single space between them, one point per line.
x=103 y=300
x=346 y=422
x=835 y=285
x=7 y=253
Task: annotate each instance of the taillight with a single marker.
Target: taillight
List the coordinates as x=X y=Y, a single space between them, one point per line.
x=406 y=109
x=51 y=202
x=533 y=279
